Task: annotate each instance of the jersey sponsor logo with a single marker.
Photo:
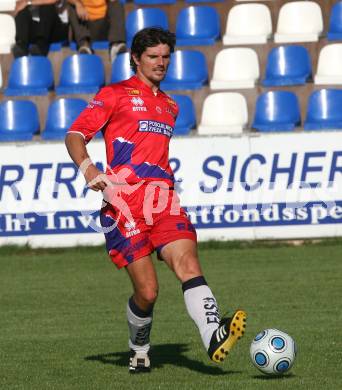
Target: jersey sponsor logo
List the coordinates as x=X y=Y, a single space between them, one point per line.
x=155 y=127
x=172 y=102
x=139 y=108
x=170 y=111
x=133 y=92
x=158 y=109
x=138 y=104
x=137 y=101
x=94 y=103
x=185 y=226
x=131 y=230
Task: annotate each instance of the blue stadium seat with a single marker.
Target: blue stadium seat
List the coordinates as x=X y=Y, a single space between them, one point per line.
x=61 y=114
x=81 y=73
x=197 y=25
x=100 y=45
x=55 y=46
x=324 y=110
x=204 y=1
x=287 y=65
x=186 y=119
x=188 y=70
x=121 y=69
x=153 y=2
x=73 y=45
x=144 y=17
x=95 y=45
x=335 y=22
x=276 y=111
x=28 y=76
x=19 y=120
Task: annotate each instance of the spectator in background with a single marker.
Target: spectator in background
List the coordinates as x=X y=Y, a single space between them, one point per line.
x=39 y=23
x=98 y=20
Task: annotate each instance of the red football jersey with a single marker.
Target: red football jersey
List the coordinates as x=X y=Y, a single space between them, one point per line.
x=137 y=126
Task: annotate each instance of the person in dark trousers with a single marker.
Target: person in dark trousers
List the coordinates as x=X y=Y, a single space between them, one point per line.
x=98 y=20
x=38 y=24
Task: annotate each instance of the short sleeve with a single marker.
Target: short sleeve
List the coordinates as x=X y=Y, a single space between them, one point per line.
x=95 y=116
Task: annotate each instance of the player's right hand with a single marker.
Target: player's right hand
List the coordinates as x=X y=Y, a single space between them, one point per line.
x=96 y=180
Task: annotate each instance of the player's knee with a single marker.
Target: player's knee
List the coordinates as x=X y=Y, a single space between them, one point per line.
x=148 y=295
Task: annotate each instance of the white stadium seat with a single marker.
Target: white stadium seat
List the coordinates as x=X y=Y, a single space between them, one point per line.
x=223 y=113
x=299 y=21
x=7 y=33
x=236 y=67
x=7 y=5
x=329 y=68
x=248 y=24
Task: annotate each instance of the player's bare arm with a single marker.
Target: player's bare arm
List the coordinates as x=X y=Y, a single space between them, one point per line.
x=95 y=179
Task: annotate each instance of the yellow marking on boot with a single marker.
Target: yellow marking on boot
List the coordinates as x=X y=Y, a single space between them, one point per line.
x=235 y=333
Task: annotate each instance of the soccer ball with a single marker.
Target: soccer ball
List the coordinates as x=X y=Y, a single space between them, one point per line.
x=273 y=352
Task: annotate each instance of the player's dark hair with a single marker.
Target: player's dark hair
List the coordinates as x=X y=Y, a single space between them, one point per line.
x=150 y=37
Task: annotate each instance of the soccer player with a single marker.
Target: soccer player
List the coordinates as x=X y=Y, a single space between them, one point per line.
x=141 y=211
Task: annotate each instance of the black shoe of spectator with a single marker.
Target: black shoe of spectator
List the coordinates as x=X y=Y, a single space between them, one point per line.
x=36 y=50
x=19 y=51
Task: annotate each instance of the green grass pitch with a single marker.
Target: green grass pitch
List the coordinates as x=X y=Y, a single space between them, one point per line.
x=63 y=326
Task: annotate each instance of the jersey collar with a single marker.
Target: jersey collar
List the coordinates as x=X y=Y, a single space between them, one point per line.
x=141 y=85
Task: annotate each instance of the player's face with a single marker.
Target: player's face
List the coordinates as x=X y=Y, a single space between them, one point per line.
x=153 y=63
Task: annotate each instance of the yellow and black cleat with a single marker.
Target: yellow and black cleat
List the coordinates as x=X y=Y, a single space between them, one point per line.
x=226 y=335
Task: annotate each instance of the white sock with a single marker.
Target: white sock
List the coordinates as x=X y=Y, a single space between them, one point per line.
x=139 y=325
x=202 y=307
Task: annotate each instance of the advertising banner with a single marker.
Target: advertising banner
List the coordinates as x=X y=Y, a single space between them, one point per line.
x=249 y=187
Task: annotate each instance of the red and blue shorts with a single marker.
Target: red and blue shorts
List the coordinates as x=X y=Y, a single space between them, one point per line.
x=137 y=223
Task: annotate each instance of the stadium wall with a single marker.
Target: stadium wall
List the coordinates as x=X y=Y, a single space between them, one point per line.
x=274 y=186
